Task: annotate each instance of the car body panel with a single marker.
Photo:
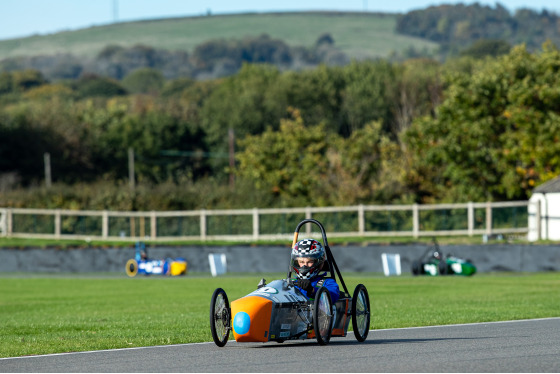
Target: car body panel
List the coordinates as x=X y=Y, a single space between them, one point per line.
x=278 y=312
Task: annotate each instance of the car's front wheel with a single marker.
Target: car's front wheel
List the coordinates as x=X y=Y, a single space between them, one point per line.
x=322 y=316
x=220 y=317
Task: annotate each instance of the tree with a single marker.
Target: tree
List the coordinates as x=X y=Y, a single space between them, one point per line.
x=418 y=91
x=6 y=83
x=176 y=86
x=26 y=79
x=242 y=103
x=316 y=93
x=144 y=81
x=368 y=95
x=485 y=47
x=324 y=39
x=292 y=161
x=496 y=133
x=91 y=85
x=359 y=172
x=462 y=25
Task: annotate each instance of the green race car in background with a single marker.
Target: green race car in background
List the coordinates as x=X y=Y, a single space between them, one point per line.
x=433 y=262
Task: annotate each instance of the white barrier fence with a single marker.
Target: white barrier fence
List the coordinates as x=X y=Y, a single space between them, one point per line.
x=489 y=218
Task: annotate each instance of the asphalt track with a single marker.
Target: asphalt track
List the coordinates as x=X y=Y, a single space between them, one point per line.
x=513 y=346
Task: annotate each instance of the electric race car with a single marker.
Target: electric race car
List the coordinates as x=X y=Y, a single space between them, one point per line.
x=278 y=311
x=141 y=264
x=434 y=263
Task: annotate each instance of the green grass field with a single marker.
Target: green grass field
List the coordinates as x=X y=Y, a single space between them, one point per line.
x=359 y=35
x=44 y=314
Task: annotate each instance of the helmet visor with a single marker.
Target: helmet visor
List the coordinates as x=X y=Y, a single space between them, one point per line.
x=305 y=261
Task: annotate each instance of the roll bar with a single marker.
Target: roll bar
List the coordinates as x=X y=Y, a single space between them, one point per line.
x=333 y=267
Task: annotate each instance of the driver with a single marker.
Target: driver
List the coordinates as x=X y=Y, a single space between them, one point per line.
x=308 y=258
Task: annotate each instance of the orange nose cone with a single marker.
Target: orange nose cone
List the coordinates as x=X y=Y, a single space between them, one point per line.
x=251 y=319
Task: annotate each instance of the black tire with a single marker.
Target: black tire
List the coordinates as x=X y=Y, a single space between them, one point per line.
x=220 y=317
x=131 y=267
x=360 y=312
x=416 y=267
x=442 y=267
x=322 y=316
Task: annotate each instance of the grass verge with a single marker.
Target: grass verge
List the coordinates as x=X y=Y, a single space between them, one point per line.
x=52 y=314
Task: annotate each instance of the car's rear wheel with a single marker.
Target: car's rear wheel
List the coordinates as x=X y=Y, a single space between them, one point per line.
x=220 y=317
x=360 y=312
x=416 y=265
x=131 y=267
x=322 y=316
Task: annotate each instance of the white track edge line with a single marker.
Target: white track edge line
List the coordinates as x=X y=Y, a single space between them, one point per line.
x=468 y=324
x=106 y=350
x=187 y=344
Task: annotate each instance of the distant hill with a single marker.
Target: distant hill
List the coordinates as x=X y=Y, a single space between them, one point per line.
x=358 y=35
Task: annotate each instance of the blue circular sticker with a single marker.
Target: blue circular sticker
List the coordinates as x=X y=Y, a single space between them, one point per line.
x=241 y=323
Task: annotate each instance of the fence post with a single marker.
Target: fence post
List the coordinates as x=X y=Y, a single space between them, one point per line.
x=142 y=229
x=361 y=220
x=132 y=221
x=57 y=223
x=488 y=218
x=9 y=222
x=105 y=224
x=3 y=222
x=255 y=224
x=202 y=224
x=470 y=217
x=415 y=221
x=308 y=215
x=153 y=225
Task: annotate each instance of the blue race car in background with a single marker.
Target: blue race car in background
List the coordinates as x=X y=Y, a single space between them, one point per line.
x=141 y=264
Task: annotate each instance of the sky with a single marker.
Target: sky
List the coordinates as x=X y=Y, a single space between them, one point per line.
x=21 y=18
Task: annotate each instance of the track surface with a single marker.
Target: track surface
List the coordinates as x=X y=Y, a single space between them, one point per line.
x=514 y=346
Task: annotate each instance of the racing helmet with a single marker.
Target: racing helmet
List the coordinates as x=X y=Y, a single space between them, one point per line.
x=308 y=248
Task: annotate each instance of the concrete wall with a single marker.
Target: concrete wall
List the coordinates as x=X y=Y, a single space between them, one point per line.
x=247 y=259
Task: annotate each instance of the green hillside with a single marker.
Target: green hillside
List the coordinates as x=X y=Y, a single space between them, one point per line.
x=359 y=35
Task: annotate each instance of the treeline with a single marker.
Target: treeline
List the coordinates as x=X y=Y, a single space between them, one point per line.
x=458 y=26
x=459 y=29
x=87 y=125
x=209 y=60
x=370 y=132
x=454 y=27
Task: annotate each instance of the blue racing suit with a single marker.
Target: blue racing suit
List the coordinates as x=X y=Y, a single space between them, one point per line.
x=329 y=283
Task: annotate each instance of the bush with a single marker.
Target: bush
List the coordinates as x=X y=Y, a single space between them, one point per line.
x=144 y=81
x=95 y=86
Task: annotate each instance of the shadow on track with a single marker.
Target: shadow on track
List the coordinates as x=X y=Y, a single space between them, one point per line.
x=311 y=343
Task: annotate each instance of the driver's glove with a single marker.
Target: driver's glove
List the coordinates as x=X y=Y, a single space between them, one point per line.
x=305 y=284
